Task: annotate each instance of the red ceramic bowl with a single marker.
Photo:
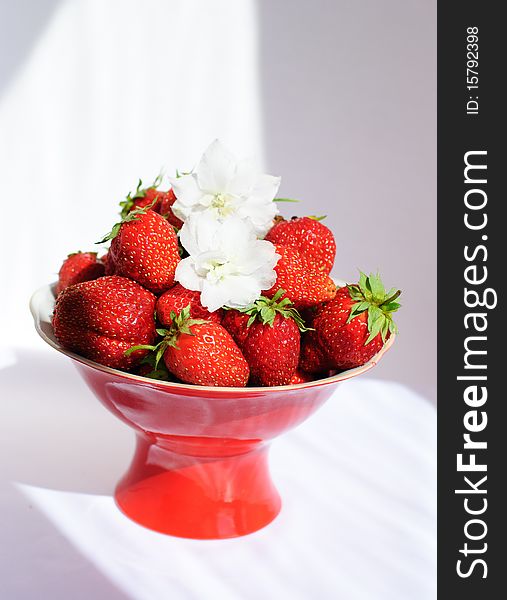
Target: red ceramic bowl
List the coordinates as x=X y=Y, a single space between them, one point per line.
x=200 y=468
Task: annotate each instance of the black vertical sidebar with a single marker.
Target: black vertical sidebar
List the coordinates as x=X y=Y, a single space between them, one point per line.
x=472 y=239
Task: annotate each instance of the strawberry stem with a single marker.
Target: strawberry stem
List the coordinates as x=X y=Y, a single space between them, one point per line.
x=265 y=310
x=391 y=298
x=133 y=215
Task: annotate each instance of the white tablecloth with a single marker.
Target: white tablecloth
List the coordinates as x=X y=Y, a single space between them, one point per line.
x=358 y=483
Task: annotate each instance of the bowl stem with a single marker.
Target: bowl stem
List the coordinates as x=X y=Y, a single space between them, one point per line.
x=199 y=487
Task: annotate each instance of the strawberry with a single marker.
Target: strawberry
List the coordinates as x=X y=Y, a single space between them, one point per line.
x=106 y=261
x=352 y=327
x=77 y=267
x=311 y=238
x=144 y=247
x=167 y=199
x=177 y=298
x=268 y=334
x=236 y=324
x=300 y=377
x=161 y=202
x=199 y=352
x=313 y=359
x=103 y=318
x=304 y=285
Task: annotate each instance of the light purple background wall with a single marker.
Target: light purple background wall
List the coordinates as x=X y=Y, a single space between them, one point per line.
x=349 y=98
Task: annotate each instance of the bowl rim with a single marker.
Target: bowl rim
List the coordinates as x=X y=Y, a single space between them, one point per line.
x=343 y=376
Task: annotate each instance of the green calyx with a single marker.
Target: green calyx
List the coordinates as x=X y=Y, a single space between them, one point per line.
x=371 y=296
x=133 y=215
x=182 y=173
x=127 y=204
x=158 y=372
x=285 y=200
x=181 y=323
x=265 y=310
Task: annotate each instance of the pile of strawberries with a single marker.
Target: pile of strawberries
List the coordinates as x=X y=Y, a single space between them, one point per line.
x=125 y=310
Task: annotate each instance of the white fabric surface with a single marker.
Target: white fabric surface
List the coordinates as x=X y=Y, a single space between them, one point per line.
x=358 y=484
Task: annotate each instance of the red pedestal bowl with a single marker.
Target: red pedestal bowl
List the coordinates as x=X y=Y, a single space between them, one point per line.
x=200 y=469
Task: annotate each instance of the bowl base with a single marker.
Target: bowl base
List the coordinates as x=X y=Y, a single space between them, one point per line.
x=200 y=488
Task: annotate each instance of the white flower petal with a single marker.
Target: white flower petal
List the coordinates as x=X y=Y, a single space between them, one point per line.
x=260 y=215
x=186 y=189
x=261 y=254
x=244 y=178
x=245 y=291
x=214 y=296
x=188 y=196
x=234 y=235
x=265 y=188
x=224 y=188
x=187 y=276
x=199 y=232
x=216 y=168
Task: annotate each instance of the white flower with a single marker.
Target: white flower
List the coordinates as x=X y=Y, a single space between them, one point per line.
x=224 y=188
x=227 y=263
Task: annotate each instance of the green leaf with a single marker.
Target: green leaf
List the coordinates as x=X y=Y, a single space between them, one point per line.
x=140 y=192
x=160 y=374
x=385 y=329
x=365 y=287
x=391 y=307
x=131 y=216
x=374 y=314
x=277 y=296
x=160 y=353
x=375 y=330
x=158 y=179
x=357 y=309
x=140 y=347
x=267 y=314
x=355 y=292
x=294 y=314
x=182 y=173
x=377 y=288
x=111 y=235
x=285 y=200
x=363 y=281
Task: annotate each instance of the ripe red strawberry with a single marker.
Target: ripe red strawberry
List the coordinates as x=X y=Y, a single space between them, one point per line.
x=77 y=267
x=200 y=352
x=268 y=334
x=177 y=298
x=161 y=202
x=311 y=238
x=236 y=324
x=103 y=318
x=167 y=199
x=300 y=377
x=352 y=327
x=106 y=261
x=313 y=359
x=302 y=283
x=144 y=247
